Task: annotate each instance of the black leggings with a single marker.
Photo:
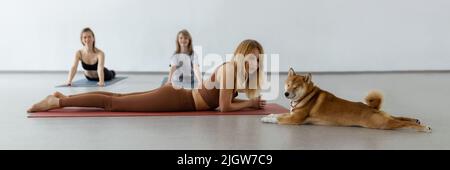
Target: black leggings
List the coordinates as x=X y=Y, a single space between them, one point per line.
x=109 y=75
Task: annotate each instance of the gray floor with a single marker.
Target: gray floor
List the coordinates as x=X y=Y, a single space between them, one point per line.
x=420 y=95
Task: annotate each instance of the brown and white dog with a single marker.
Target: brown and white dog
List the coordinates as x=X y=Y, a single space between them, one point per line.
x=311 y=105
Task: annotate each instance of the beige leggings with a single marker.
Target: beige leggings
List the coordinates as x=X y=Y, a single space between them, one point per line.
x=163 y=99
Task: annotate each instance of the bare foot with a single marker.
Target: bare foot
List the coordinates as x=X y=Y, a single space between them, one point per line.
x=59 y=95
x=50 y=102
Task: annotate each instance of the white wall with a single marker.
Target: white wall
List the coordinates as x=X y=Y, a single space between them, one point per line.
x=310 y=35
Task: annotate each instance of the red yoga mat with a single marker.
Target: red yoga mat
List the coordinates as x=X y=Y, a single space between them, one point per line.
x=98 y=112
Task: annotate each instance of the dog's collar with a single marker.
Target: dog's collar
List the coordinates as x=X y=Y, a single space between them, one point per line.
x=305 y=99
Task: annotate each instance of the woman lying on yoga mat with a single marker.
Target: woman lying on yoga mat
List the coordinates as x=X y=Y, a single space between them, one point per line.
x=92 y=59
x=243 y=74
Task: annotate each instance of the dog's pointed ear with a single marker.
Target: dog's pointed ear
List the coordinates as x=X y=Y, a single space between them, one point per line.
x=308 y=78
x=291 y=72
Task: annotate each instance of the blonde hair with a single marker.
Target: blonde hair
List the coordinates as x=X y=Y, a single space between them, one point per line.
x=85 y=30
x=245 y=48
x=185 y=33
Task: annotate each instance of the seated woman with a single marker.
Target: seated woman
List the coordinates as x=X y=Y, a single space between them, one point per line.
x=184 y=62
x=243 y=74
x=92 y=59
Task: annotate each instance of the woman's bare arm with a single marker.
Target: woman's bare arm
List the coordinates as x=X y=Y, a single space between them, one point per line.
x=197 y=73
x=73 y=69
x=172 y=70
x=100 y=69
x=226 y=102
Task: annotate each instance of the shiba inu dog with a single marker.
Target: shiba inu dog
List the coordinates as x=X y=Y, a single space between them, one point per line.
x=312 y=105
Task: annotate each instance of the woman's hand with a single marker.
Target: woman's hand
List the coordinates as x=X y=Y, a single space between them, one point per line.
x=68 y=83
x=257 y=103
x=101 y=84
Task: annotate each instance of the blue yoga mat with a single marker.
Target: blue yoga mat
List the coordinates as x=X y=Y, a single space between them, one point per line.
x=86 y=83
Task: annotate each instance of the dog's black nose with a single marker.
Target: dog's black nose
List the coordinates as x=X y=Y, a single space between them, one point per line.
x=286 y=94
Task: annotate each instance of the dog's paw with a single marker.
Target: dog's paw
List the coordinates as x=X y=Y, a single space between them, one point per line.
x=272 y=118
x=426 y=129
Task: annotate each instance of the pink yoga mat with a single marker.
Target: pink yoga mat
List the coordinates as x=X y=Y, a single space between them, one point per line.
x=97 y=112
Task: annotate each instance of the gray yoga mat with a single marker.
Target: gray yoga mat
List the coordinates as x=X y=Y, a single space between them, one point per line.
x=86 y=83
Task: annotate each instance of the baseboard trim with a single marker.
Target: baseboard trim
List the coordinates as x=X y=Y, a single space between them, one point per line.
x=301 y=72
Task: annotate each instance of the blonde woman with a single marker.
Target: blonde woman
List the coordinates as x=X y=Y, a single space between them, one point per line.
x=243 y=74
x=184 y=62
x=92 y=60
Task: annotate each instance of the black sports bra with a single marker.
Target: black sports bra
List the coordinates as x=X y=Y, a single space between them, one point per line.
x=89 y=67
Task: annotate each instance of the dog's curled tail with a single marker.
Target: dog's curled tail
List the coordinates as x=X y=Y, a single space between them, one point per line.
x=374 y=99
